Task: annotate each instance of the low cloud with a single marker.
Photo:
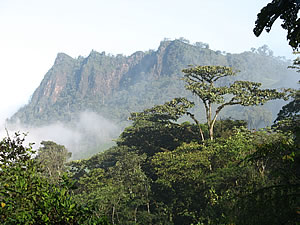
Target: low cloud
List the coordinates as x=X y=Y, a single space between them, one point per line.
x=91 y=133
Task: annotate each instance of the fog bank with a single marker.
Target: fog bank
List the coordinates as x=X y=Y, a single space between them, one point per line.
x=88 y=135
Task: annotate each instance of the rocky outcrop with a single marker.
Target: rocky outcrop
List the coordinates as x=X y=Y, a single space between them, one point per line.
x=102 y=81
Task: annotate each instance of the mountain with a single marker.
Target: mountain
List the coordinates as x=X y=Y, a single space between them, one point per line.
x=114 y=86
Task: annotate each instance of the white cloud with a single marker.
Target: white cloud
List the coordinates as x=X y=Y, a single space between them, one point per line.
x=34 y=31
x=87 y=134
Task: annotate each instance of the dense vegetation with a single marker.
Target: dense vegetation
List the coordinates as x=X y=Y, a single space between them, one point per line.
x=166 y=171
x=33 y=192
x=114 y=86
x=163 y=171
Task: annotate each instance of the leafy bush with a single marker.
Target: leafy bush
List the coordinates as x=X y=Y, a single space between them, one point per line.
x=27 y=197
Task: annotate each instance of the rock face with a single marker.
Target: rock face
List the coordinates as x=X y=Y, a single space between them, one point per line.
x=54 y=81
x=117 y=85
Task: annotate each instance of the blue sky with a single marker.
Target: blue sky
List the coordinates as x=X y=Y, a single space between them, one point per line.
x=34 y=31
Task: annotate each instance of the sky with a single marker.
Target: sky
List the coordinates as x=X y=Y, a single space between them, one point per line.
x=32 y=32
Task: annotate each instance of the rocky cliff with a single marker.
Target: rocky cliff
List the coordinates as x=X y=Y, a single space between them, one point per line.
x=117 y=85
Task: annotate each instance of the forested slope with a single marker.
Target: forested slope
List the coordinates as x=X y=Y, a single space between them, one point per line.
x=114 y=86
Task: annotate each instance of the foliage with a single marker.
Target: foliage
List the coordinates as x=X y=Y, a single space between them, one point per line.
x=163 y=170
x=285 y=10
x=202 y=179
x=277 y=201
x=288 y=118
x=243 y=179
x=292 y=109
x=171 y=110
x=120 y=191
x=28 y=198
x=202 y=81
x=156 y=129
x=226 y=128
x=52 y=157
x=13 y=152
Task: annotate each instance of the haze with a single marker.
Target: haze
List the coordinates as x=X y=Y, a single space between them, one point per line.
x=91 y=131
x=34 y=31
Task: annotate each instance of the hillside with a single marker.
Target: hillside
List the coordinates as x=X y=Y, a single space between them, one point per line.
x=114 y=86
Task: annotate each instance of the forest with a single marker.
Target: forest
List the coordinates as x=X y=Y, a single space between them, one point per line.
x=168 y=166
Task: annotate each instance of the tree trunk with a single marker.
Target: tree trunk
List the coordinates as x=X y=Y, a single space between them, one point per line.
x=135 y=211
x=113 y=215
x=198 y=124
x=148 y=208
x=211 y=132
x=210 y=123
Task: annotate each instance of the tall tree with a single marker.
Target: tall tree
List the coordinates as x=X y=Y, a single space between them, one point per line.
x=53 y=156
x=203 y=82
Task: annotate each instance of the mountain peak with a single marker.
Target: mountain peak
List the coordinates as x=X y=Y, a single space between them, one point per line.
x=115 y=86
x=94 y=54
x=62 y=57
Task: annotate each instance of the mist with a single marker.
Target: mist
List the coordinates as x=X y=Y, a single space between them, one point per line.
x=90 y=134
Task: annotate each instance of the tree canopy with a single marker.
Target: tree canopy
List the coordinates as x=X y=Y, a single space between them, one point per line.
x=203 y=82
x=287 y=10
x=28 y=197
